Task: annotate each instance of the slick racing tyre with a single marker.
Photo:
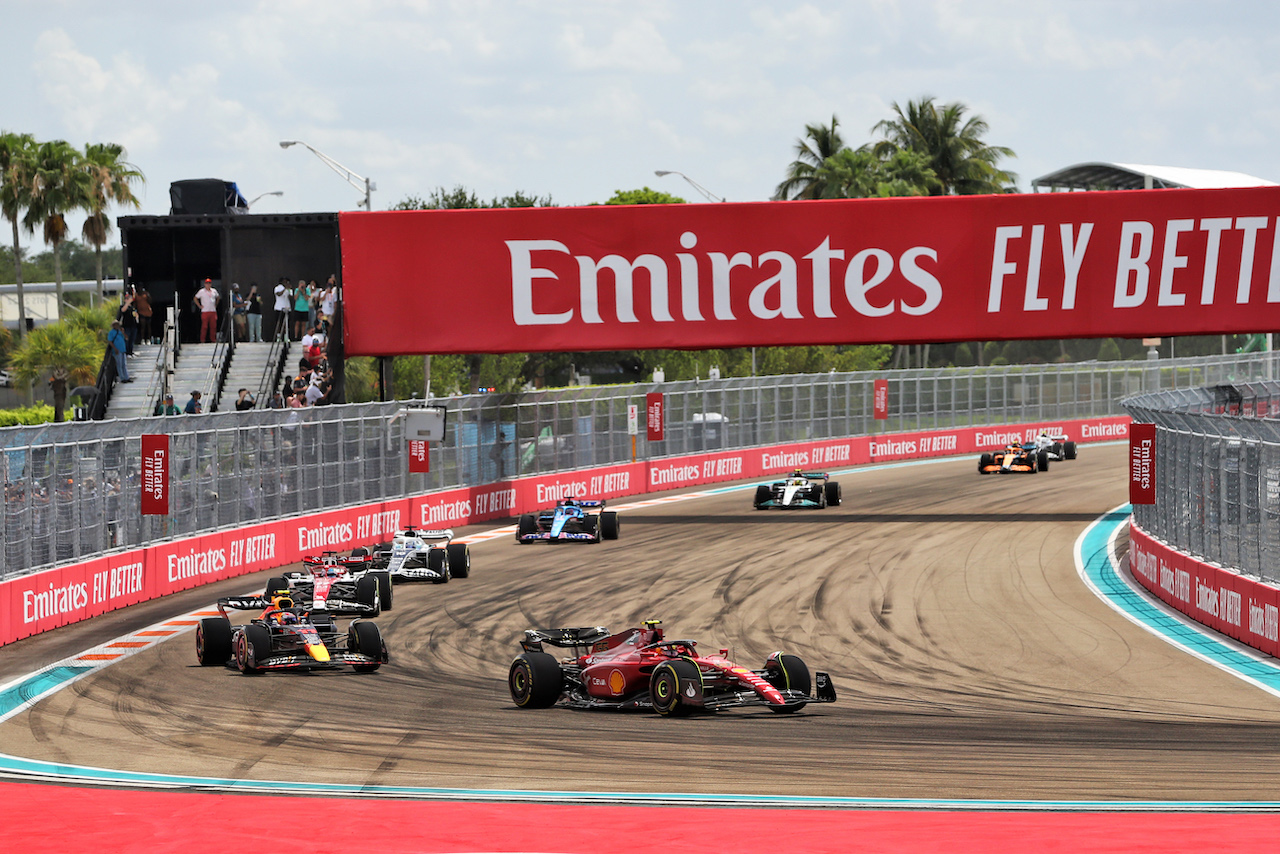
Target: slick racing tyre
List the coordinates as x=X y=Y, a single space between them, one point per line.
x=253 y=646
x=984 y=461
x=535 y=680
x=763 y=494
x=438 y=562
x=459 y=555
x=1042 y=461
x=528 y=524
x=275 y=585
x=365 y=638
x=367 y=593
x=1069 y=450
x=213 y=641
x=788 y=673
x=833 y=494
x=385 y=594
x=668 y=683
x=609 y=525
x=360 y=551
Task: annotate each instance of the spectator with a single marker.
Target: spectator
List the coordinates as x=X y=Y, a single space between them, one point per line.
x=142 y=302
x=277 y=401
x=253 y=313
x=329 y=304
x=207 y=300
x=194 y=407
x=239 y=320
x=281 y=307
x=128 y=317
x=168 y=407
x=301 y=305
x=119 y=349
x=296 y=401
x=244 y=400
x=317 y=394
x=314 y=353
x=314 y=295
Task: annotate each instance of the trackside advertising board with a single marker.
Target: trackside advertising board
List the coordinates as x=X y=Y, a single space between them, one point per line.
x=1240 y=607
x=701 y=276
x=45 y=600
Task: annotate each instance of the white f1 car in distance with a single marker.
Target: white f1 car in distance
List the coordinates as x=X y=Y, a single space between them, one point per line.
x=1057 y=446
x=801 y=489
x=424 y=555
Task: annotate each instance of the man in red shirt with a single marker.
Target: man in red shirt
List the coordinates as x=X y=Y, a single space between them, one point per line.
x=207 y=299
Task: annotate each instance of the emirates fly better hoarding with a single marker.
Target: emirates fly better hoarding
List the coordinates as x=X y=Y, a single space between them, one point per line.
x=1050 y=265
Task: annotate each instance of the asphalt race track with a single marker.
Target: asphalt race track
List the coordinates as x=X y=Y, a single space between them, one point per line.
x=970 y=660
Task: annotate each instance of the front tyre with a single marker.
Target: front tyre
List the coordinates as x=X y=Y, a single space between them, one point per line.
x=1042 y=461
x=763 y=494
x=366 y=639
x=459 y=555
x=788 y=673
x=667 y=685
x=438 y=562
x=535 y=680
x=609 y=525
x=833 y=493
x=253 y=647
x=367 y=593
x=385 y=594
x=528 y=524
x=213 y=641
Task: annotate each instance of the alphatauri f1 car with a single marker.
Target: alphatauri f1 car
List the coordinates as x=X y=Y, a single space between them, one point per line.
x=572 y=520
x=801 y=489
x=337 y=584
x=415 y=554
x=286 y=637
x=1015 y=459
x=639 y=669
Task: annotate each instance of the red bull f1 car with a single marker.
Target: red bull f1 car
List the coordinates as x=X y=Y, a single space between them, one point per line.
x=416 y=554
x=337 y=584
x=286 y=637
x=801 y=490
x=1015 y=459
x=572 y=520
x=640 y=669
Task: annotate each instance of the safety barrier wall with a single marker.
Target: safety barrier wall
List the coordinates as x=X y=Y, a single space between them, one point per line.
x=42 y=601
x=72 y=490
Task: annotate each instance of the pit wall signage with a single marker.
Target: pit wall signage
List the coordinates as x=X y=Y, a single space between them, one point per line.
x=903 y=270
x=1243 y=608
x=56 y=597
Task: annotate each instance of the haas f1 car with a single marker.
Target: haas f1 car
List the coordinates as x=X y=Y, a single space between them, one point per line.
x=572 y=520
x=286 y=637
x=1015 y=459
x=812 y=490
x=336 y=584
x=424 y=555
x=1058 y=446
x=639 y=669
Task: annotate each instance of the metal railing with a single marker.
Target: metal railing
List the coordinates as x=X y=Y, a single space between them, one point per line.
x=72 y=489
x=1217 y=473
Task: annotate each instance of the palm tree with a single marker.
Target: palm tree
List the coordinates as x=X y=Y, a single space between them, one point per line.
x=812 y=150
x=59 y=185
x=109 y=178
x=963 y=163
x=15 y=195
x=67 y=352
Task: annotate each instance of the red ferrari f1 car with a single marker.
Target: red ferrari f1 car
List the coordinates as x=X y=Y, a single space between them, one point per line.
x=639 y=669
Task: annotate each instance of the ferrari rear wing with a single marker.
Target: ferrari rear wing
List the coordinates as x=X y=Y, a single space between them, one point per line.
x=563 y=638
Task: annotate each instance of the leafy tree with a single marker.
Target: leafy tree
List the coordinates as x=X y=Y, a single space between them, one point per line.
x=16 y=167
x=59 y=185
x=860 y=174
x=643 y=196
x=68 y=353
x=962 y=162
x=460 y=198
x=812 y=150
x=110 y=177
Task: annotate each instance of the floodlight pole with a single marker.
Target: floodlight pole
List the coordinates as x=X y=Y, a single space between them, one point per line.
x=350 y=177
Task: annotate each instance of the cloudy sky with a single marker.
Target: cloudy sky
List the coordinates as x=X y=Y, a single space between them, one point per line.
x=578 y=99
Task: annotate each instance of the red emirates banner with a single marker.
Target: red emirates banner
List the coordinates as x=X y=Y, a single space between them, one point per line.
x=957 y=268
x=654 y=415
x=1142 y=463
x=155 y=474
x=419 y=457
x=880 y=402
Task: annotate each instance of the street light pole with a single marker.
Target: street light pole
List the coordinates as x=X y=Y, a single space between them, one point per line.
x=350 y=177
x=272 y=193
x=710 y=196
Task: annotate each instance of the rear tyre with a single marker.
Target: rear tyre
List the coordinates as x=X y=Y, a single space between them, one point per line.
x=763 y=493
x=276 y=584
x=367 y=593
x=609 y=525
x=366 y=639
x=788 y=673
x=528 y=524
x=459 y=559
x=213 y=641
x=984 y=461
x=438 y=562
x=253 y=646
x=667 y=684
x=535 y=680
x=359 y=551
x=833 y=493
x=1068 y=450
x=1042 y=461
x=385 y=595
